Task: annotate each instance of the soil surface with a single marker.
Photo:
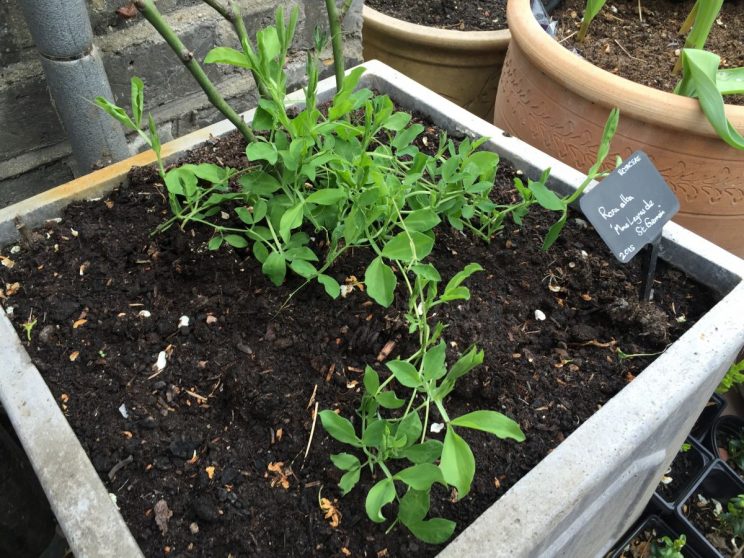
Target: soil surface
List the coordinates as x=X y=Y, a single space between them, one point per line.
x=644 y=50
x=640 y=546
x=726 y=433
x=461 y=15
x=206 y=457
x=701 y=512
x=685 y=468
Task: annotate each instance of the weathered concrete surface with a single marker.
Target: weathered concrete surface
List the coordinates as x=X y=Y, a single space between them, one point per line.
x=31 y=136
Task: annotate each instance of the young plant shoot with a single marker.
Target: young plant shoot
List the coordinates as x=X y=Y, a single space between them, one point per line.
x=353 y=176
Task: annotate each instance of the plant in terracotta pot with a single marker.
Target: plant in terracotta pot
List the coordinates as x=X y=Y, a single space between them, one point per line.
x=554 y=99
x=462 y=65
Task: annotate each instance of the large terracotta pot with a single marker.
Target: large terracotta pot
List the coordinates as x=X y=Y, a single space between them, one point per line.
x=463 y=66
x=559 y=102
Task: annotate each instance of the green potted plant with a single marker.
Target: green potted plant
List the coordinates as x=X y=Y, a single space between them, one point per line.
x=554 y=100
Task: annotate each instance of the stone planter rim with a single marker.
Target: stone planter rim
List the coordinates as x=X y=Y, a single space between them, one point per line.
x=661 y=108
x=453 y=39
x=525 y=521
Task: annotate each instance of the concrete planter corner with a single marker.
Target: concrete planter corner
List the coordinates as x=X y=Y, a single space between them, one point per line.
x=576 y=502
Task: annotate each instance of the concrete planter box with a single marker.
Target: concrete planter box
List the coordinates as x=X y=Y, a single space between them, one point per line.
x=576 y=502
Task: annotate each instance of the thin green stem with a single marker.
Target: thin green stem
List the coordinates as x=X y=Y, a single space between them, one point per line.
x=151 y=14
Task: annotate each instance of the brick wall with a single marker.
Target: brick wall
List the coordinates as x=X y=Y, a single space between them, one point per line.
x=34 y=152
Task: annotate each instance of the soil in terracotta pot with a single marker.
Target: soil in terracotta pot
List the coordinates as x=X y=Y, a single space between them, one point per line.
x=686 y=466
x=206 y=457
x=701 y=512
x=644 y=50
x=461 y=15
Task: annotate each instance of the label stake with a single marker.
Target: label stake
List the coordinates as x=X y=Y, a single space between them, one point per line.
x=649 y=269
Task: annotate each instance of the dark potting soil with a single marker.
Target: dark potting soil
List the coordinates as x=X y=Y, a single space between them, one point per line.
x=644 y=51
x=724 y=440
x=640 y=545
x=701 y=513
x=217 y=439
x=683 y=470
x=461 y=15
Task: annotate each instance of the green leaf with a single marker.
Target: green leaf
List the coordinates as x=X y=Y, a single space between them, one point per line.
x=397 y=121
x=291 y=219
x=268 y=43
x=345 y=461
x=466 y=363
x=226 y=55
x=275 y=267
x=427 y=452
x=421 y=477
x=458 y=293
x=374 y=433
x=389 y=400
x=327 y=196
x=380 y=281
x=407 y=247
x=492 y=422
x=339 y=428
x=434 y=362
x=382 y=493
x=349 y=480
x=699 y=79
x=261 y=151
x=460 y=276
x=434 y=531
x=214 y=243
x=546 y=198
x=263 y=120
x=236 y=241
x=303 y=268
x=371 y=380
x=260 y=252
x=244 y=215
x=181 y=181
x=405 y=373
x=138 y=99
x=405 y=138
x=427 y=271
x=115 y=112
x=209 y=172
x=414 y=505
x=458 y=463
x=331 y=286
x=259 y=183
x=730 y=81
x=554 y=232
x=410 y=427
x=421 y=220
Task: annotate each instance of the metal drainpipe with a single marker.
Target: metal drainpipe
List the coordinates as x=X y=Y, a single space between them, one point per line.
x=75 y=75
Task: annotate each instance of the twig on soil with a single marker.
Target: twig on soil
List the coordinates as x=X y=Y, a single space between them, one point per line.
x=119 y=466
x=568 y=37
x=625 y=51
x=312 y=431
x=312 y=397
x=196 y=395
x=640 y=12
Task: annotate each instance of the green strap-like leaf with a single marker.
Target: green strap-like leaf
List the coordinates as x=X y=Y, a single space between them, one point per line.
x=490 y=421
x=421 y=477
x=699 y=79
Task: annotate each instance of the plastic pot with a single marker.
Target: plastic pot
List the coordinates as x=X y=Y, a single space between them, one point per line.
x=705 y=421
x=723 y=429
x=699 y=458
x=659 y=528
x=718 y=483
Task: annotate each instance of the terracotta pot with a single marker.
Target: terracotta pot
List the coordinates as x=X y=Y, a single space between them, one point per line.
x=559 y=102
x=463 y=66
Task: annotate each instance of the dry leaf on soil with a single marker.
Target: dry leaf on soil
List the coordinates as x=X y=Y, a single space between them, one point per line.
x=331 y=511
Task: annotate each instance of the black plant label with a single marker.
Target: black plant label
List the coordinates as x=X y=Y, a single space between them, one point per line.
x=630 y=206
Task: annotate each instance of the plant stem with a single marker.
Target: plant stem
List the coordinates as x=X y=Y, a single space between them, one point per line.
x=151 y=13
x=334 y=23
